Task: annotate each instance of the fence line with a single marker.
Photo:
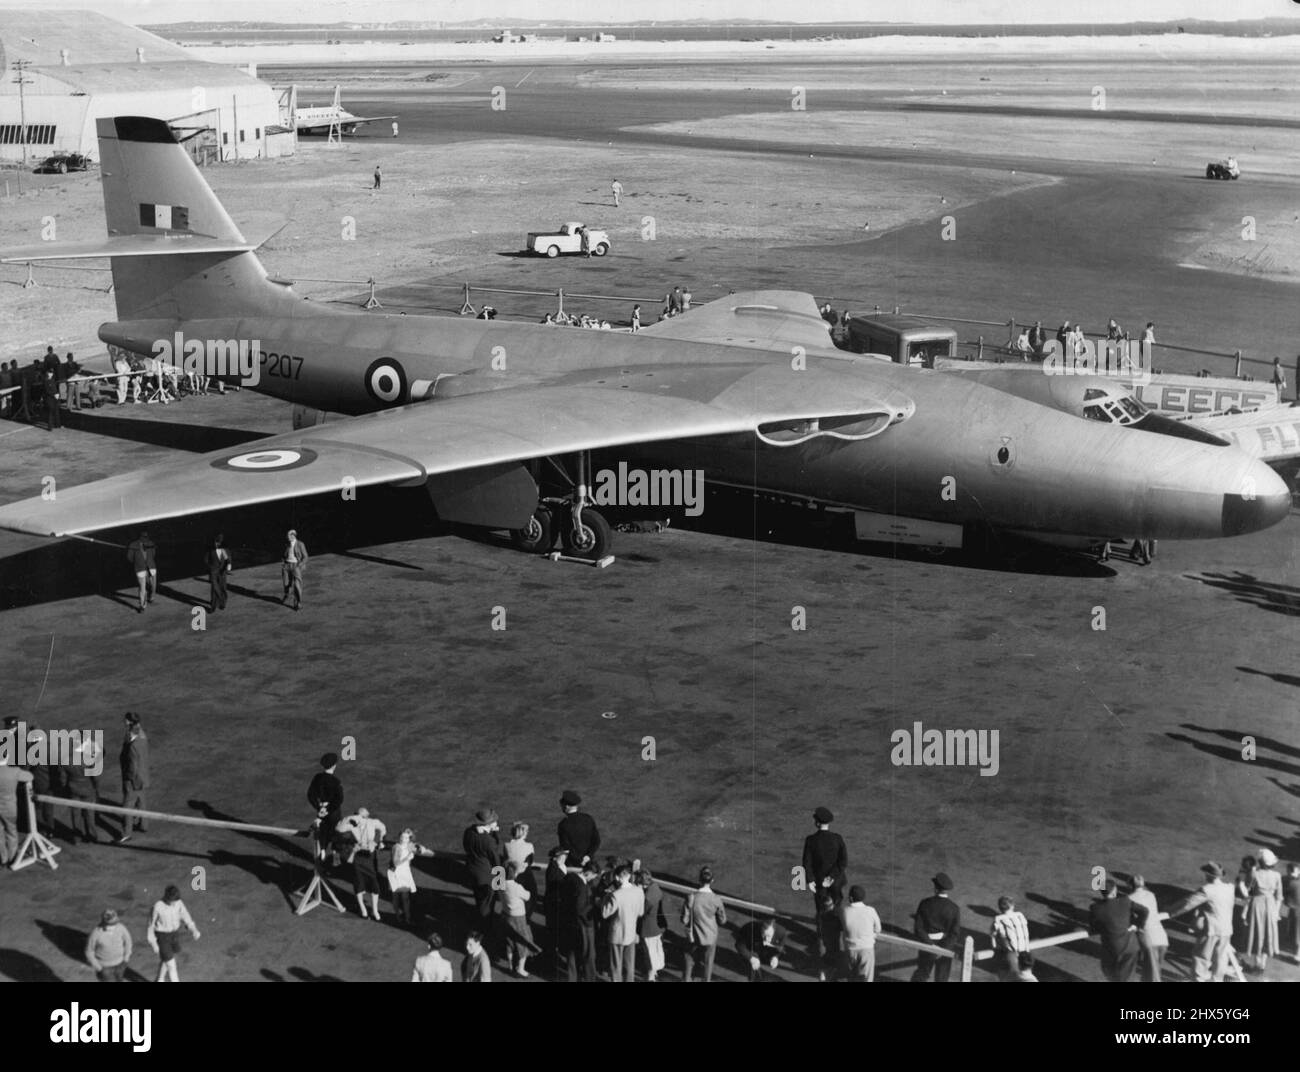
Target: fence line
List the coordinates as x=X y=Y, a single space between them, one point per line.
x=1011 y=324
x=677 y=888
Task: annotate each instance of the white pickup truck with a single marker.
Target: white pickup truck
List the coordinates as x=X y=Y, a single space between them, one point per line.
x=568 y=239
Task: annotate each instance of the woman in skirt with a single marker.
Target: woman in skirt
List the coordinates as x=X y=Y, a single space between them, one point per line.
x=519 y=935
x=165 y=922
x=1263 y=909
x=400 y=880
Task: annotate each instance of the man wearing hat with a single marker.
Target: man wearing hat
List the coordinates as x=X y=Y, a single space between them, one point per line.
x=134 y=763
x=483 y=852
x=577 y=830
x=938 y=921
x=108 y=948
x=1117 y=920
x=825 y=864
x=1216 y=900
x=325 y=794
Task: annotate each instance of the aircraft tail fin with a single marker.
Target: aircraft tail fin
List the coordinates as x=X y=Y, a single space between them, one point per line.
x=338 y=98
x=174 y=251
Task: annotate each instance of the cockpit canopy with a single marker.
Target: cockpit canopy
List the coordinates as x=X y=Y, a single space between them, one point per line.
x=1112 y=407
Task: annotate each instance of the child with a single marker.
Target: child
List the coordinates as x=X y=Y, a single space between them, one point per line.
x=164 y=934
x=519 y=936
x=519 y=851
x=477 y=965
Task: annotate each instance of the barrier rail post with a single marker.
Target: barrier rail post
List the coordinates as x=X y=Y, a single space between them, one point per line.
x=35 y=846
x=967 y=956
x=30 y=281
x=1237 y=371
x=371 y=302
x=1011 y=332
x=467 y=309
x=310 y=897
x=981 y=349
x=560 y=311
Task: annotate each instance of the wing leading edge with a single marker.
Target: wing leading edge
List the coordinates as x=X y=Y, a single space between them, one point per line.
x=411 y=443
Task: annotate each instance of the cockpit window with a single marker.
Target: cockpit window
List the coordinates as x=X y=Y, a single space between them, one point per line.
x=1093 y=393
x=1133 y=407
x=1096 y=413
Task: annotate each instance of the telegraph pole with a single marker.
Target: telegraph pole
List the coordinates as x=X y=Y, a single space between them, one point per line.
x=20 y=79
x=20 y=72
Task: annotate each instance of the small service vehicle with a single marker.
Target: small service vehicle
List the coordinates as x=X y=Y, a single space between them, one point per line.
x=568 y=239
x=1223 y=169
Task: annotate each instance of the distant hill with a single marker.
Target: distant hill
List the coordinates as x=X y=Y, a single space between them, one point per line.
x=1235 y=27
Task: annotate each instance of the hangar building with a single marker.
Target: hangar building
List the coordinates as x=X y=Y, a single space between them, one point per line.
x=76 y=66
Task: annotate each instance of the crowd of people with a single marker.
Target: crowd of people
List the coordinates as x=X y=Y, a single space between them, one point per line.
x=593 y=917
x=40 y=391
x=676 y=302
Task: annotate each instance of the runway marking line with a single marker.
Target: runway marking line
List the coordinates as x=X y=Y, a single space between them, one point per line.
x=525 y=78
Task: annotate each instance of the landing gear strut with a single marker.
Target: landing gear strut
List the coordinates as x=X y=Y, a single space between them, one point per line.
x=581 y=529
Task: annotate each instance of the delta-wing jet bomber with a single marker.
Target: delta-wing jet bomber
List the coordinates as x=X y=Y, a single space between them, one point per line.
x=328 y=118
x=747 y=389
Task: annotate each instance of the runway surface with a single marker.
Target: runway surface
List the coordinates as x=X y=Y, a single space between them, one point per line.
x=1104 y=242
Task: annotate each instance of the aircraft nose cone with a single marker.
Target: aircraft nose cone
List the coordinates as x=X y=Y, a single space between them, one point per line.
x=1264 y=504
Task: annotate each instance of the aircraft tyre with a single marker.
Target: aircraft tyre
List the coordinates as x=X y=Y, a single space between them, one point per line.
x=592 y=540
x=539 y=536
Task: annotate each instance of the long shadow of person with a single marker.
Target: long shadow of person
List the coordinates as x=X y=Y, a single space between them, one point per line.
x=22 y=967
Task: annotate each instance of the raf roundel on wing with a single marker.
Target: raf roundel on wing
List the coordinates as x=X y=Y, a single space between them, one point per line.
x=267 y=461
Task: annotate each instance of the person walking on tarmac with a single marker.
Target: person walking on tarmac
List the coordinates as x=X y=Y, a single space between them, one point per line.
x=292 y=564
x=218 y=562
x=141 y=553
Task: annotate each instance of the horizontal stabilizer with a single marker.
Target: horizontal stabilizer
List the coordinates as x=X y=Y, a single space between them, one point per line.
x=136 y=245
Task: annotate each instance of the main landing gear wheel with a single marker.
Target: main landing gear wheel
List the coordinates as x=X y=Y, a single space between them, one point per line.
x=539 y=535
x=589 y=540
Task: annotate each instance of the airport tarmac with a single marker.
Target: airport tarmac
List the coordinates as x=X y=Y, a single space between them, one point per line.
x=1118 y=748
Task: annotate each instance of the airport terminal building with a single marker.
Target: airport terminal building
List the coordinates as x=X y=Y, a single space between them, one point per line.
x=62 y=70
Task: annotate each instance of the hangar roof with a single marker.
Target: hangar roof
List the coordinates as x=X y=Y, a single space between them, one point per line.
x=90 y=38
x=142 y=77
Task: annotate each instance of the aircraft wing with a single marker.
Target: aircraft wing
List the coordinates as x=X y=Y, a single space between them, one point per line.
x=348 y=121
x=758 y=319
x=470 y=431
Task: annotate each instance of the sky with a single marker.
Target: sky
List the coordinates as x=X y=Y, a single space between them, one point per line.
x=143 y=12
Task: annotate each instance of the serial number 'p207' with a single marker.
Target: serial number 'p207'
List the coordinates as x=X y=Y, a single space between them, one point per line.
x=286 y=366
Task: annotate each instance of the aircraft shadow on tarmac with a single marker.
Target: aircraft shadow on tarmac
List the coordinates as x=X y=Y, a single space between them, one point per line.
x=176 y=435
x=1266 y=595
x=743 y=516
x=69 y=569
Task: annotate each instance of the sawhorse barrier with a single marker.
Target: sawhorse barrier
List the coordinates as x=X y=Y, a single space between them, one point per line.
x=318 y=890
x=38 y=847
